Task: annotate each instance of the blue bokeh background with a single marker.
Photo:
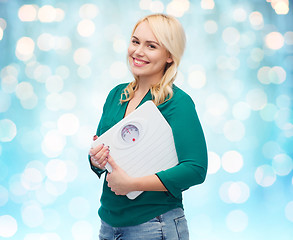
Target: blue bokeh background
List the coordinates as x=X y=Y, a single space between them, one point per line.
x=59 y=60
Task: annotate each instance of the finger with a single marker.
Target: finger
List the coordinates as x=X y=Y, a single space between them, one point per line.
x=101 y=155
x=102 y=149
x=95 y=150
x=97 y=164
x=112 y=163
x=100 y=160
x=103 y=164
x=95 y=137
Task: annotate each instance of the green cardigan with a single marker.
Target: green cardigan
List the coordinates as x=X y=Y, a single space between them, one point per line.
x=180 y=113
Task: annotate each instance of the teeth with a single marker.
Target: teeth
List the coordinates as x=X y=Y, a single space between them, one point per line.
x=139 y=62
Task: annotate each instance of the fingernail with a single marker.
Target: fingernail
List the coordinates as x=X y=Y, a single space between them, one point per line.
x=95 y=137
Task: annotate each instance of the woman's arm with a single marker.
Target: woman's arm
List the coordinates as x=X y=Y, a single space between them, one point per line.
x=121 y=183
x=190 y=146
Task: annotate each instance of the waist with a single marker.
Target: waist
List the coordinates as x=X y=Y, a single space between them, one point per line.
x=119 y=211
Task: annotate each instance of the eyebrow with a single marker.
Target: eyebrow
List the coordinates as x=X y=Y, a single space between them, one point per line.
x=147 y=41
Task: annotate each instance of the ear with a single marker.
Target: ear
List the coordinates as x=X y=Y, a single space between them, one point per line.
x=169 y=60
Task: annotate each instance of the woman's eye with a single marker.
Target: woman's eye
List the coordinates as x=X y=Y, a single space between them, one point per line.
x=135 y=42
x=152 y=46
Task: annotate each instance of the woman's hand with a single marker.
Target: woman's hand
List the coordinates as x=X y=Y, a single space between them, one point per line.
x=99 y=155
x=118 y=180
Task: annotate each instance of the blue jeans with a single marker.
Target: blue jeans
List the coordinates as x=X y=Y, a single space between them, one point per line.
x=168 y=226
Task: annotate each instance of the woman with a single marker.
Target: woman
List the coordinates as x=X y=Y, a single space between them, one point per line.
x=156 y=46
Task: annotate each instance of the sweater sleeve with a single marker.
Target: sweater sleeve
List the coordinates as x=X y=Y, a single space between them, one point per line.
x=190 y=147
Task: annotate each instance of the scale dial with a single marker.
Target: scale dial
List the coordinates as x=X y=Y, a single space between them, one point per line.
x=130 y=133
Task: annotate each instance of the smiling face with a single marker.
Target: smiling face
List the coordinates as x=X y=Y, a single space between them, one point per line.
x=147 y=58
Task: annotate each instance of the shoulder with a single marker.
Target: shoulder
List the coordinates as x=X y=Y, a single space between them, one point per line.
x=118 y=89
x=180 y=105
x=115 y=94
x=181 y=97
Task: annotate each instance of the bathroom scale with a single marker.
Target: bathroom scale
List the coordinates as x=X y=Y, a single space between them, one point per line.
x=141 y=144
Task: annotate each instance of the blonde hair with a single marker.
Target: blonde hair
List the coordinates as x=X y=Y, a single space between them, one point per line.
x=170 y=34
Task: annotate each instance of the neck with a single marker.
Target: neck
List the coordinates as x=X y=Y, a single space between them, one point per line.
x=144 y=84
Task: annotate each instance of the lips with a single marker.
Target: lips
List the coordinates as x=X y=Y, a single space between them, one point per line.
x=138 y=62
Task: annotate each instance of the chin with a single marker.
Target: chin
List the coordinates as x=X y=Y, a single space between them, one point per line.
x=136 y=72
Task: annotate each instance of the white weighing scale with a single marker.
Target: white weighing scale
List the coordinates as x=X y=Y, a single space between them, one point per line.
x=141 y=144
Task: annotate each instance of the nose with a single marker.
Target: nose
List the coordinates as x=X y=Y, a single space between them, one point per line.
x=139 y=50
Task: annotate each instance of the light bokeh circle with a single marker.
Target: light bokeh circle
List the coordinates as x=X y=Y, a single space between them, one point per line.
x=289 y=211
x=214 y=162
x=8 y=226
x=237 y=221
x=265 y=175
x=232 y=161
x=8 y=130
x=282 y=164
